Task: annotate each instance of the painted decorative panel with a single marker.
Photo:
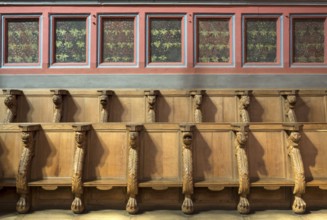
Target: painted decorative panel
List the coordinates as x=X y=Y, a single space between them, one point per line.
x=70 y=40
x=308 y=40
x=213 y=40
x=118 y=40
x=165 y=40
x=261 y=40
x=22 y=41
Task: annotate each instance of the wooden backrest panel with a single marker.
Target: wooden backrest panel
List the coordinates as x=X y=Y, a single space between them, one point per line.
x=10 y=152
x=174 y=108
x=313 y=148
x=160 y=155
x=267 y=155
x=265 y=108
x=106 y=156
x=217 y=108
x=35 y=108
x=213 y=155
x=125 y=108
x=54 y=153
x=81 y=109
x=311 y=108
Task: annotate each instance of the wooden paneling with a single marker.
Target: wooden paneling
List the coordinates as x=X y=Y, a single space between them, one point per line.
x=310 y=109
x=219 y=109
x=35 y=108
x=107 y=155
x=53 y=155
x=213 y=156
x=174 y=109
x=265 y=109
x=127 y=109
x=267 y=155
x=81 y=109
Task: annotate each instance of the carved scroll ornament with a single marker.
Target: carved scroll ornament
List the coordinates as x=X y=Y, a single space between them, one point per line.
x=197 y=96
x=57 y=99
x=28 y=142
x=80 y=149
x=241 y=137
x=293 y=140
x=104 y=103
x=151 y=98
x=11 y=104
x=187 y=137
x=133 y=158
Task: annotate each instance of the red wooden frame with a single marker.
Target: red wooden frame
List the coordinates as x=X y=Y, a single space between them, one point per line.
x=101 y=62
x=277 y=18
x=5 y=40
x=231 y=33
x=292 y=37
x=142 y=11
x=52 y=44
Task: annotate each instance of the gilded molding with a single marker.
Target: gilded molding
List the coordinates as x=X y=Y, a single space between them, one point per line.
x=57 y=98
x=28 y=142
x=133 y=158
x=188 y=186
x=11 y=104
x=104 y=104
x=241 y=137
x=77 y=177
x=151 y=98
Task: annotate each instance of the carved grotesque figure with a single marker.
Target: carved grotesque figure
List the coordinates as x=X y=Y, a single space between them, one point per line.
x=133 y=139
x=10 y=101
x=104 y=100
x=244 y=104
x=241 y=138
x=79 y=138
x=57 y=100
x=187 y=139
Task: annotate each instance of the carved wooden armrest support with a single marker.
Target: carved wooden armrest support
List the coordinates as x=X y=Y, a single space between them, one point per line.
x=187 y=138
x=11 y=104
x=241 y=137
x=57 y=98
x=289 y=101
x=133 y=157
x=77 y=176
x=104 y=104
x=244 y=102
x=294 y=153
x=151 y=98
x=197 y=96
x=28 y=142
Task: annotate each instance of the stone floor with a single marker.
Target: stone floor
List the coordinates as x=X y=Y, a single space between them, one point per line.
x=165 y=215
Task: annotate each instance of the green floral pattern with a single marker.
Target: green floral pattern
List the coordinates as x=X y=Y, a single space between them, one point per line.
x=22 y=41
x=165 y=40
x=118 y=40
x=213 y=40
x=261 y=40
x=70 y=41
x=308 y=44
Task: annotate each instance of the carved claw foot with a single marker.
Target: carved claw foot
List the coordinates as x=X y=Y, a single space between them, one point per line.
x=23 y=205
x=131 y=206
x=243 y=206
x=299 y=205
x=187 y=206
x=77 y=206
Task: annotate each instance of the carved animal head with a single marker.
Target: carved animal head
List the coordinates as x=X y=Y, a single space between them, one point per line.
x=295 y=136
x=152 y=99
x=187 y=138
x=79 y=138
x=245 y=100
x=103 y=100
x=10 y=101
x=57 y=99
x=198 y=99
x=133 y=139
x=291 y=99
x=242 y=137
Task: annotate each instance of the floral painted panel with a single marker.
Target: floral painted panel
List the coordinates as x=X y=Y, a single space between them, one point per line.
x=308 y=41
x=165 y=40
x=70 y=41
x=213 y=40
x=22 y=41
x=118 y=40
x=261 y=40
